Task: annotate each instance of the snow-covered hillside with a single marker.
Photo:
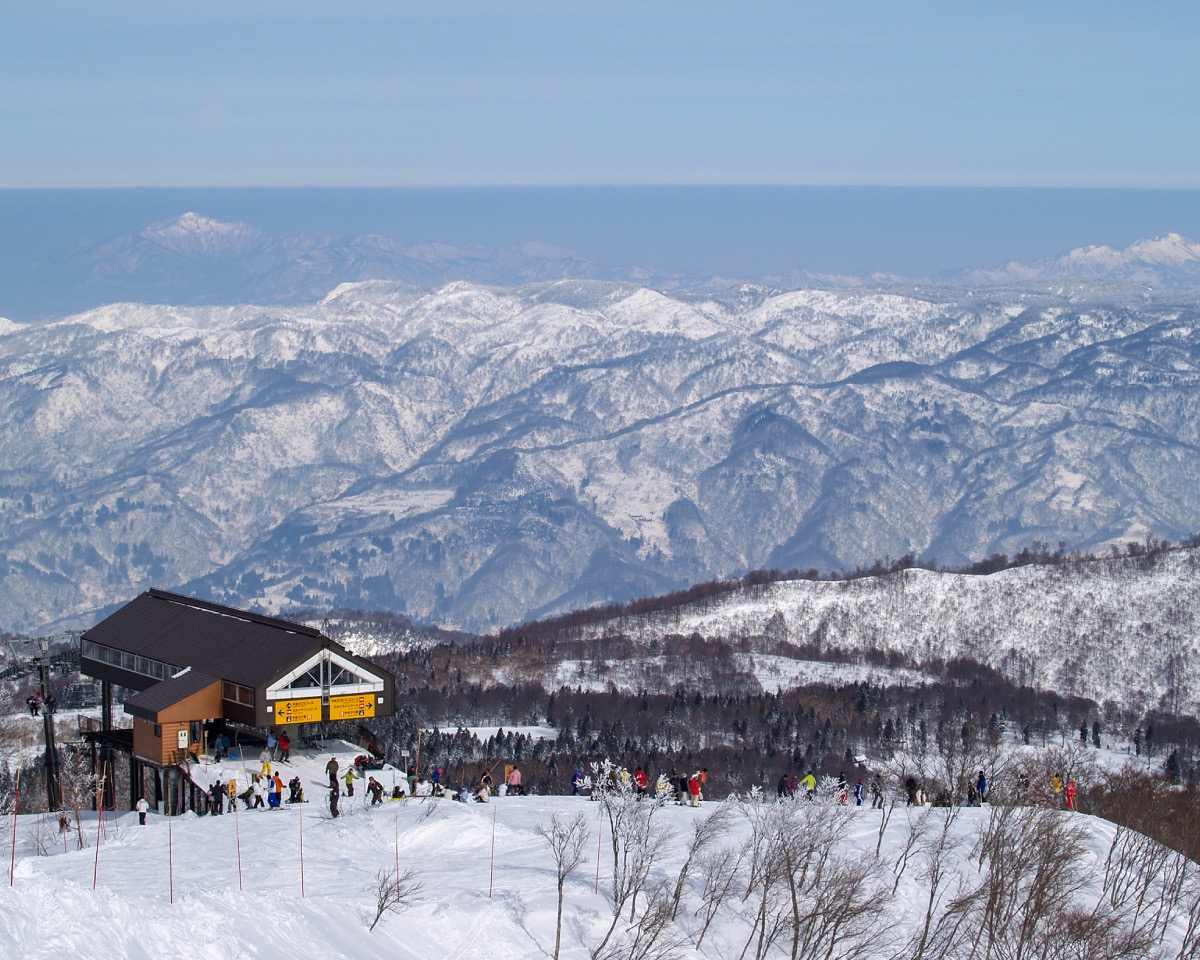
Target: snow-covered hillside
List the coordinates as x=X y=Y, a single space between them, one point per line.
x=473 y=456
x=296 y=883
x=1125 y=630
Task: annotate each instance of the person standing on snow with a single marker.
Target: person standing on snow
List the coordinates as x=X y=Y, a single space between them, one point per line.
x=271 y=743
x=514 y=781
x=981 y=787
x=576 y=782
x=1071 y=795
x=331 y=768
x=334 y=792
x=809 y=783
x=285 y=748
x=693 y=786
x=265 y=759
x=349 y=778
x=877 y=792
x=859 y=789
x=142 y=808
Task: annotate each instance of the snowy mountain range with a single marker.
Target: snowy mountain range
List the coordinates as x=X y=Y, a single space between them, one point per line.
x=1163 y=263
x=193 y=259
x=475 y=455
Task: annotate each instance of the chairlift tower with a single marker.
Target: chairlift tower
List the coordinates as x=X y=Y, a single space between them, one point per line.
x=53 y=793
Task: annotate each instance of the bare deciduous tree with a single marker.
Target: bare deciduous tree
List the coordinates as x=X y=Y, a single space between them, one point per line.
x=394 y=892
x=721 y=870
x=567 y=840
x=705 y=834
x=827 y=902
x=633 y=830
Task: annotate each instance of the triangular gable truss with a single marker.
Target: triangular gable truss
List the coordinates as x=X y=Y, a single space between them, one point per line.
x=326 y=673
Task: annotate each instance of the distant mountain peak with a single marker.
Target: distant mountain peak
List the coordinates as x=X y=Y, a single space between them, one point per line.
x=1171 y=261
x=193 y=233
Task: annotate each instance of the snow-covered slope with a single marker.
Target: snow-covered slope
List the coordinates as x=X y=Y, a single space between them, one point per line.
x=295 y=883
x=1120 y=630
x=475 y=455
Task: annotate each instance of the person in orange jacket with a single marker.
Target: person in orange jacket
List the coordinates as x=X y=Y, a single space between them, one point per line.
x=1071 y=795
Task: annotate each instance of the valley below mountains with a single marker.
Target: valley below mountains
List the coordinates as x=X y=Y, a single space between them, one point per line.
x=475 y=456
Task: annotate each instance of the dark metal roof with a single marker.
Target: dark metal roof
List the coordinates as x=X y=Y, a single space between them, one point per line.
x=220 y=641
x=153 y=700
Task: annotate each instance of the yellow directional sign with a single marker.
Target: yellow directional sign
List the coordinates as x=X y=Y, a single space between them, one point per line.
x=352 y=707
x=298 y=711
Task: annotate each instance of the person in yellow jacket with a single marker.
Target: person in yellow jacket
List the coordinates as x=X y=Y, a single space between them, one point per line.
x=809 y=783
x=349 y=778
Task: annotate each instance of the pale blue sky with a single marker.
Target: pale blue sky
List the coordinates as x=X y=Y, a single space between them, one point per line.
x=259 y=92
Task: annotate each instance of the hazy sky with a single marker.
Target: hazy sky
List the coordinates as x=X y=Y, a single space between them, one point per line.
x=141 y=92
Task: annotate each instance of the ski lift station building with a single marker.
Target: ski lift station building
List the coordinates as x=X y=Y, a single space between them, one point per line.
x=195 y=666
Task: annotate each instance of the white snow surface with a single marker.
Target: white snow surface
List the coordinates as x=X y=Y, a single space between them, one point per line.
x=296 y=883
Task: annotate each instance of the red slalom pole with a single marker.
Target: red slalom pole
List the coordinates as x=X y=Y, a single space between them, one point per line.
x=96 y=868
x=599 y=837
x=301 y=819
x=170 y=859
x=12 y=869
x=492 y=868
x=237 y=832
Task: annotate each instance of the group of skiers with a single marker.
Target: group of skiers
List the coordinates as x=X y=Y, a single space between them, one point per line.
x=264 y=792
